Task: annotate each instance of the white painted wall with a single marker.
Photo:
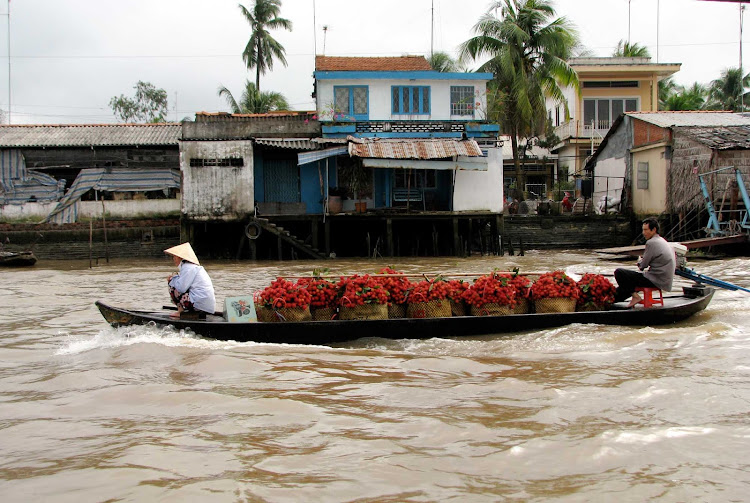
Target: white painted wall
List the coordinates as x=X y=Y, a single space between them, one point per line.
x=128 y=208
x=481 y=190
x=26 y=210
x=93 y=209
x=217 y=192
x=379 y=91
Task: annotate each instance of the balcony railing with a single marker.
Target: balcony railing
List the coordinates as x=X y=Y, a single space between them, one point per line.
x=577 y=129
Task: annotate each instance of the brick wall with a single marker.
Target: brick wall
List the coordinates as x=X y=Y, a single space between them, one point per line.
x=645 y=133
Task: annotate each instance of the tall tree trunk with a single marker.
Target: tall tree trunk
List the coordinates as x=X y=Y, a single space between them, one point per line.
x=516 y=163
x=257 y=71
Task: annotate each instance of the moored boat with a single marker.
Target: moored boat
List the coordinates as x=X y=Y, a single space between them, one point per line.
x=17 y=259
x=676 y=308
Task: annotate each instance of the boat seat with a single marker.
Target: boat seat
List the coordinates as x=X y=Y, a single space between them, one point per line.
x=648 y=299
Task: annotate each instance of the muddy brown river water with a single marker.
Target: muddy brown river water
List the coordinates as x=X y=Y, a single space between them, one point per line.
x=89 y=413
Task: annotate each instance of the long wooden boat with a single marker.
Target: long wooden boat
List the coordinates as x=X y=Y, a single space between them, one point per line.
x=17 y=259
x=676 y=308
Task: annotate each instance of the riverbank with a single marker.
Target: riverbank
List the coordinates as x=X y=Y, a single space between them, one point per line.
x=348 y=235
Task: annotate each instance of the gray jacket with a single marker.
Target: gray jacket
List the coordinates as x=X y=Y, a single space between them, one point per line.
x=660 y=260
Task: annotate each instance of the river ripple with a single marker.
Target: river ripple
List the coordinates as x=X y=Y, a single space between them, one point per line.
x=92 y=413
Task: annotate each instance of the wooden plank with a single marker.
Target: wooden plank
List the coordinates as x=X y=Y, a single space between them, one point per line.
x=691 y=245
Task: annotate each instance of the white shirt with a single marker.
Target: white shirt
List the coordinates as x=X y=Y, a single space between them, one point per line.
x=194 y=280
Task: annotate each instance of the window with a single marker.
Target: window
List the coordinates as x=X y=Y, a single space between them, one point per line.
x=642 y=180
x=351 y=101
x=609 y=83
x=231 y=162
x=410 y=100
x=602 y=112
x=462 y=100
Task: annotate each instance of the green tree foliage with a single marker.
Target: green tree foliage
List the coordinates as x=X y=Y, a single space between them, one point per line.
x=685 y=98
x=254 y=101
x=528 y=48
x=625 y=49
x=262 y=48
x=442 y=62
x=149 y=104
x=729 y=91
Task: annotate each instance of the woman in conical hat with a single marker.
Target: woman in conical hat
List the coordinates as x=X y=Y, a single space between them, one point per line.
x=191 y=288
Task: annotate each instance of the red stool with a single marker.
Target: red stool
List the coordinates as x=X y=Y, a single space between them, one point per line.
x=648 y=300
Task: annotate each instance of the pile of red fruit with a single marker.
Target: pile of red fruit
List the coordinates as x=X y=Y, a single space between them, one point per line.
x=284 y=294
x=555 y=284
x=492 y=289
x=358 y=290
x=596 y=291
x=427 y=290
x=397 y=286
x=323 y=293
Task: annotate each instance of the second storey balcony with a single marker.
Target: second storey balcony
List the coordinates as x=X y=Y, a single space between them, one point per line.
x=576 y=129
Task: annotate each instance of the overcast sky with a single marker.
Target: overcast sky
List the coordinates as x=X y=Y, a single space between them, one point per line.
x=70 y=57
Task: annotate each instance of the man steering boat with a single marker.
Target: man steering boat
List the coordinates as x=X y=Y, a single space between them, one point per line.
x=657 y=262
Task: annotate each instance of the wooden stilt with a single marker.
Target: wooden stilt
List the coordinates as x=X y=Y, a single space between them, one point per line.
x=279 y=248
x=327 y=233
x=389 y=236
x=456 y=238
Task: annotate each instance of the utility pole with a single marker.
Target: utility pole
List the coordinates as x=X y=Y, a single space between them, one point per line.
x=629 y=22
x=432 y=28
x=10 y=107
x=742 y=85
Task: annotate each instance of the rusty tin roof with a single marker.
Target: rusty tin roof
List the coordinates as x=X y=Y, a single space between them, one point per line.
x=412 y=148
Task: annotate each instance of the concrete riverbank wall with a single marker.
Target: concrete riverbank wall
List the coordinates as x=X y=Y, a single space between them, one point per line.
x=148 y=238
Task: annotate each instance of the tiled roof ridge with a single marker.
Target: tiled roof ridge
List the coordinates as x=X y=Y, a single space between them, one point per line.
x=409 y=62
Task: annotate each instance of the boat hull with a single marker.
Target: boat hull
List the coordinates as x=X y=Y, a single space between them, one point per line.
x=17 y=259
x=333 y=331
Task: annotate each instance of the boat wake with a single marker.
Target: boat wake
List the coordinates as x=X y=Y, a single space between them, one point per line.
x=109 y=338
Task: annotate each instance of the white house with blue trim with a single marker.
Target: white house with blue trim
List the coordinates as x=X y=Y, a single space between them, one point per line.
x=402 y=98
x=399 y=97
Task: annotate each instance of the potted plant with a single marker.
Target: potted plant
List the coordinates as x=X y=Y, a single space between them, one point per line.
x=335 y=197
x=359 y=180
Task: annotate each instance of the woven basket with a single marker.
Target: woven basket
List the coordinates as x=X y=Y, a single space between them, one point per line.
x=364 y=312
x=430 y=309
x=555 y=305
x=271 y=315
x=397 y=310
x=458 y=308
x=323 y=313
x=523 y=307
x=490 y=310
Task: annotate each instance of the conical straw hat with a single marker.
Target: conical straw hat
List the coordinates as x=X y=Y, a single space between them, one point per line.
x=184 y=251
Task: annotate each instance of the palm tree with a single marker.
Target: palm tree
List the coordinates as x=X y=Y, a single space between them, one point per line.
x=254 y=101
x=625 y=49
x=728 y=92
x=442 y=62
x=528 y=49
x=262 y=48
x=686 y=98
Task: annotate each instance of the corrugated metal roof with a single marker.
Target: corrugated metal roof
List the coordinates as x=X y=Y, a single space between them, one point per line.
x=290 y=143
x=720 y=138
x=390 y=64
x=412 y=149
x=85 y=135
x=699 y=119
